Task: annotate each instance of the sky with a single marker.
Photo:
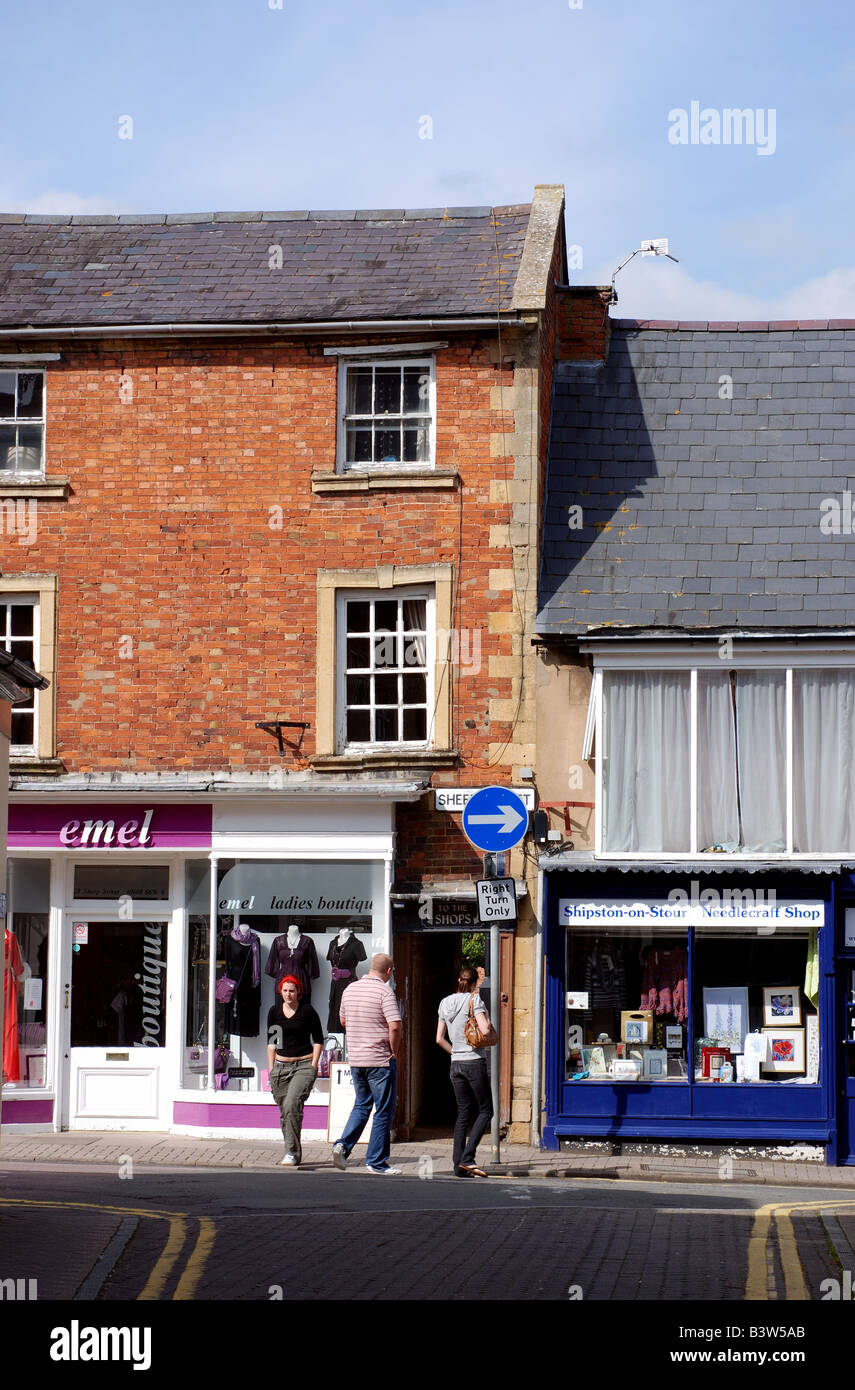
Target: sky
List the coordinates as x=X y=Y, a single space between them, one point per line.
x=223 y=105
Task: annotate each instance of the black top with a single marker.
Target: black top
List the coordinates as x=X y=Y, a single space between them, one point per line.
x=293 y=1037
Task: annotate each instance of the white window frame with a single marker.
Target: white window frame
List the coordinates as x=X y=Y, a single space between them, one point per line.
x=349 y=364
x=398 y=593
x=26 y=600
x=24 y=474
x=664 y=656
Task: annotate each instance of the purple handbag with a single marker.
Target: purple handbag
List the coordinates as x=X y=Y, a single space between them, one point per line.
x=225 y=988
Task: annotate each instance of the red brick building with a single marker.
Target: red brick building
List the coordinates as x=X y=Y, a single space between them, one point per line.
x=271 y=487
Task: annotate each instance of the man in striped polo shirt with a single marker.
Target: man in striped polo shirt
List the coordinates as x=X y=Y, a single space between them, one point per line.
x=372 y=1020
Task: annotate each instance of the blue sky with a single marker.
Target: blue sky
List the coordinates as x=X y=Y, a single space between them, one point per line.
x=320 y=104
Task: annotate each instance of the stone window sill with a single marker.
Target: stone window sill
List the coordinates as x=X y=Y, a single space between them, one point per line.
x=389 y=758
x=35 y=767
x=34 y=487
x=382 y=482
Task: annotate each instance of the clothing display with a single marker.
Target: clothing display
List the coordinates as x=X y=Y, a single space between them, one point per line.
x=243 y=959
x=605 y=980
x=300 y=960
x=665 y=982
x=13 y=973
x=295 y=1036
x=344 y=960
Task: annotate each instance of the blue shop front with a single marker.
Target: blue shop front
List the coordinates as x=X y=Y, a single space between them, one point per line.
x=700 y=1003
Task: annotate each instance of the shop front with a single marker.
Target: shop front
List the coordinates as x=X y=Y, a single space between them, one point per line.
x=686 y=1002
x=126 y=920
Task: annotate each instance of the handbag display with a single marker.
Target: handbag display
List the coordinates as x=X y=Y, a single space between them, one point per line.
x=472 y=1033
x=331 y=1053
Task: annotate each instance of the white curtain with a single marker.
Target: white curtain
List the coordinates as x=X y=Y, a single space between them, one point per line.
x=761 y=745
x=823 y=761
x=646 y=774
x=718 y=802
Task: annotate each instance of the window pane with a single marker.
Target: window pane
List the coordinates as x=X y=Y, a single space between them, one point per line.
x=109 y=1004
x=358 y=690
x=7 y=446
x=761 y=759
x=387 y=446
x=415 y=725
x=21 y=620
x=358 y=726
x=25 y=1036
x=646 y=763
x=416 y=390
x=386 y=725
x=359 y=391
x=7 y=395
x=386 y=650
x=358 y=616
x=718 y=803
x=415 y=445
x=22 y=728
x=386 y=690
x=30 y=393
x=823 y=761
x=386 y=615
x=415 y=690
x=387 y=391
x=29 y=450
x=359 y=448
x=359 y=653
x=21 y=649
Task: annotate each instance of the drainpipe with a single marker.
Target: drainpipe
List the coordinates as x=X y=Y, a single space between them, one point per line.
x=537 y=1042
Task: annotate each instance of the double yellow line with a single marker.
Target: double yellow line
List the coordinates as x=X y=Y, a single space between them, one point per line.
x=795 y=1288
x=175 y=1242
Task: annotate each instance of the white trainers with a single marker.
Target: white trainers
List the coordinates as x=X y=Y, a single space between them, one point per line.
x=339 y=1157
x=390 y=1172
x=289 y=1161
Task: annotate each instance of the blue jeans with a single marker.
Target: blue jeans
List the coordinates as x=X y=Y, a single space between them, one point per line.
x=374 y=1086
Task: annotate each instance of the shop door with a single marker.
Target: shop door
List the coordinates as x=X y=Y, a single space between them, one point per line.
x=846 y=1064
x=114 y=1009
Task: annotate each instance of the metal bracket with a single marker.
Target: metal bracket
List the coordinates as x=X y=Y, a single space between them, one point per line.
x=275 y=726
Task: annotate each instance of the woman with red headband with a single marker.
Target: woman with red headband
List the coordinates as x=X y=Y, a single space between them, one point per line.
x=294 y=1042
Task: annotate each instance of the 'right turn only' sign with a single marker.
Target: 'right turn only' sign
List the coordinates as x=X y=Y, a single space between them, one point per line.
x=497 y=900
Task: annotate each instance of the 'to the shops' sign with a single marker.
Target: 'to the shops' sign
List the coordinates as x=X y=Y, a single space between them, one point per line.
x=116 y=826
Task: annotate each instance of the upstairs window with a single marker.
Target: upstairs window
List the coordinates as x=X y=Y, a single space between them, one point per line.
x=706 y=757
x=19 y=635
x=385 y=676
x=22 y=423
x=386 y=414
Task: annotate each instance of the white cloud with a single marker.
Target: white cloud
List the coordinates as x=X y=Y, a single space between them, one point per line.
x=658 y=289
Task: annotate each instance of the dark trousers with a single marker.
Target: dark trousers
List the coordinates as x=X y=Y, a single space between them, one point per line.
x=471 y=1082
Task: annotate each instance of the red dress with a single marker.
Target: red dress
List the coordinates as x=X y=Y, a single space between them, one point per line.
x=13 y=972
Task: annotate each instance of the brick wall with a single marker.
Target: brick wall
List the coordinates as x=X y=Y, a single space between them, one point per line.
x=583 y=324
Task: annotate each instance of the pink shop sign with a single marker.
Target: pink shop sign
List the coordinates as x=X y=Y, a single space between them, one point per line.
x=120 y=826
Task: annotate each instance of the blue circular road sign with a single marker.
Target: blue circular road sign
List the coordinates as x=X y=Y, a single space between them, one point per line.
x=495 y=819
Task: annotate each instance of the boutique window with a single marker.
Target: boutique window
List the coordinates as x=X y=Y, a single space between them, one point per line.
x=727 y=759
x=25 y=979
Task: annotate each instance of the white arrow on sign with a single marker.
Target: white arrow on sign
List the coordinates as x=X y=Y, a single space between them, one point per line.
x=508 y=820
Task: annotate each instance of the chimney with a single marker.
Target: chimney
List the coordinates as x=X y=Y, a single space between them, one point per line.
x=583 y=323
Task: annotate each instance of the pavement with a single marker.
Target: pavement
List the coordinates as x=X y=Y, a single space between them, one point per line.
x=166 y=1151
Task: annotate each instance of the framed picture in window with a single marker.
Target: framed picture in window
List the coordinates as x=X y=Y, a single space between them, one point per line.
x=786 y=1051
x=655 y=1064
x=726 y=1015
x=782 y=1006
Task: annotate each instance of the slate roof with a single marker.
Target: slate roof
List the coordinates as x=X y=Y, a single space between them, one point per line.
x=216 y=267
x=699 y=510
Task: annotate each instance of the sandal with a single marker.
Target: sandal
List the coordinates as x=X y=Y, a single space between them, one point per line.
x=471 y=1171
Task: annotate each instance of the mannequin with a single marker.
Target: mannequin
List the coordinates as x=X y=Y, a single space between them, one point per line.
x=344 y=954
x=243 y=964
x=294 y=954
x=13 y=974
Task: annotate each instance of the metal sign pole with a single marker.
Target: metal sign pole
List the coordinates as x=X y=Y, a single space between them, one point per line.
x=494 y=1051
